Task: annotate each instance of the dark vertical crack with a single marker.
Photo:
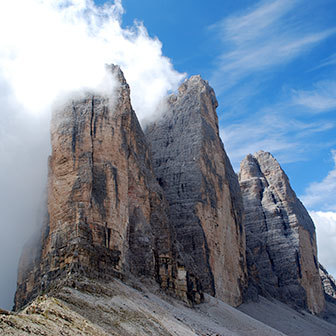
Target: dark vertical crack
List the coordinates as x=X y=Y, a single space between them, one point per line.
x=270 y=259
x=297 y=257
x=92 y=156
x=74 y=129
x=115 y=179
x=207 y=260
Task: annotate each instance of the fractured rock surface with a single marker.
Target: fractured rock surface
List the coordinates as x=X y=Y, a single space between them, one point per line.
x=328 y=282
x=280 y=236
x=205 y=205
x=106 y=213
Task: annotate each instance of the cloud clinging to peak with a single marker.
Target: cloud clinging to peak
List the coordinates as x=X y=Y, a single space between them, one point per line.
x=47 y=49
x=53 y=46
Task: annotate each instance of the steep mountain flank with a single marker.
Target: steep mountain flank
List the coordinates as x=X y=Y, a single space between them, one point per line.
x=106 y=211
x=280 y=236
x=202 y=190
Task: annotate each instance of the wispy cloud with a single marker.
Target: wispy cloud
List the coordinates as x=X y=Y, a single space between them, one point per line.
x=254 y=44
x=325 y=223
x=271 y=131
x=322 y=98
x=329 y=61
x=321 y=195
x=264 y=36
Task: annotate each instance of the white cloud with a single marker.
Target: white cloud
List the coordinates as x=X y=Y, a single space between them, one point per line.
x=49 y=47
x=325 y=223
x=262 y=37
x=321 y=98
x=321 y=195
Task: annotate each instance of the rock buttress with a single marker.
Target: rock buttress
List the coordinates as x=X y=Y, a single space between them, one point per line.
x=202 y=190
x=106 y=211
x=280 y=236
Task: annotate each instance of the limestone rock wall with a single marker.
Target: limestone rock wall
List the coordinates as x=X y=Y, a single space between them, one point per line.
x=106 y=211
x=205 y=205
x=280 y=236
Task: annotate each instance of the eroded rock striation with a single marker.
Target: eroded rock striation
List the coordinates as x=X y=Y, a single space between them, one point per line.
x=205 y=205
x=280 y=236
x=106 y=213
x=328 y=283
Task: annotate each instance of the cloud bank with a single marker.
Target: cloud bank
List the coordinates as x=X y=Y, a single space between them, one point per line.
x=325 y=223
x=321 y=196
x=47 y=48
x=52 y=46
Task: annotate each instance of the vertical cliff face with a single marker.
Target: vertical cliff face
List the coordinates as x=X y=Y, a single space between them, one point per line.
x=202 y=190
x=106 y=211
x=280 y=235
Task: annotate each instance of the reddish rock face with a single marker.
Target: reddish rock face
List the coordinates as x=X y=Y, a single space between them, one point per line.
x=205 y=205
x=280 y=236
x=106 y=211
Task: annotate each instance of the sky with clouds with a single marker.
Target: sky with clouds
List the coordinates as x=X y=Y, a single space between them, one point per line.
x=272 y=64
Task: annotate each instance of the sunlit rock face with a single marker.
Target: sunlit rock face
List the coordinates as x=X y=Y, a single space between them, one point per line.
x=280 y=236
x=106 y=213
x=205 y=205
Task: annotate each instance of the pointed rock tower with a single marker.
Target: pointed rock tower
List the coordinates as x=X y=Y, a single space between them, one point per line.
x=280 y=236
x=205 y=205
x=106 y=213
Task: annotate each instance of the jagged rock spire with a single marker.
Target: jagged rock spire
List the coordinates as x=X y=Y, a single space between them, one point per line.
x=280 y=235
x=201 y=188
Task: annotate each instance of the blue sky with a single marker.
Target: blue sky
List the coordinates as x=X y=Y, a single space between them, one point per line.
x=272 y=65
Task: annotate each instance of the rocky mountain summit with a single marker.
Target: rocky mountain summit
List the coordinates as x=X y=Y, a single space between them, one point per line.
x=152 y=232
x=107 y=215
x=280 y=236
x=205 y=205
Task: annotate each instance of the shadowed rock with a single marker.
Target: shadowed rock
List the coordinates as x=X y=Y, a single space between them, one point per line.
x=202 y=190
x=280 y=236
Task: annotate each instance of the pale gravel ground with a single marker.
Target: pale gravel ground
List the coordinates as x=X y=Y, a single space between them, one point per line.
x=118 y=309
x=289 y=321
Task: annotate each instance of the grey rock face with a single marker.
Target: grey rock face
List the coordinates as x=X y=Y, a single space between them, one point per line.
x=280 y=236
x=328 y=282
x=205 y=205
